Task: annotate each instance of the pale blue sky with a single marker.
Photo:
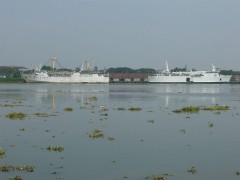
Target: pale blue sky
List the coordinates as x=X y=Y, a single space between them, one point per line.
x=120 y=33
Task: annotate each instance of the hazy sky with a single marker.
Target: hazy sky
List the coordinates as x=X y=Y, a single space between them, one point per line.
x=121 y=33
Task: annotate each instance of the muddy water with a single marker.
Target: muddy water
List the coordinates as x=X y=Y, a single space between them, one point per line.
x=136 y=144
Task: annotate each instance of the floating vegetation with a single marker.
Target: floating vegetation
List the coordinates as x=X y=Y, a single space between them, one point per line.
x=111 y=138
x=216 y=108
x=16 y=115
x=210 y=124
x=18 y=178
x=159 y=177
x=6 y=168
x=68 y=109
x=93 y=98
x=150 y=121
x=40 y=114
x=22 y=129
x=183 y=131
x=195 y=109
x=55 y=148
x=135 y=109
x=103 y=108
x=10 y=105
x=189 y=109
x=121 y=109
x=2 y=153
x=96 y=134
x=192 y=170
x=237 y=173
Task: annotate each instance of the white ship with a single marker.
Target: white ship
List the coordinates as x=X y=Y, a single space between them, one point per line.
x=84 y=75
x=166 y=76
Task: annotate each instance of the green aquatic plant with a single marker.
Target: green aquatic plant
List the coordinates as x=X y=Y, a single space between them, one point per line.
x=18 y=178
x=6 y=168
x=55 y=148
x=16 y=115
x=2 y=153
x=192 y=170
x=121 y=109
x=111 y=138
x=40 y=114
x=193 y=109
x=93 y=98
x=183 y=131
x=150 y=121
x=96 y=134
x=104 y=108
x=210 y=124
x=22 y=129
x=135 y=109
x=68 y=109
x=10 y=105
x=188 y=109
x=159 y=177
x=216 y=108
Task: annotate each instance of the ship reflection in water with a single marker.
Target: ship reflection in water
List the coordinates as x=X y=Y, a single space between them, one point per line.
x=169 y=93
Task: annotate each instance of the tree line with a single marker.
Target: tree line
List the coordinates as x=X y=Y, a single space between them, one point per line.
x=14 y=71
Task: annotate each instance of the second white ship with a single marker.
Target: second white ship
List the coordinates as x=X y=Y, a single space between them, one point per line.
x=166 y=76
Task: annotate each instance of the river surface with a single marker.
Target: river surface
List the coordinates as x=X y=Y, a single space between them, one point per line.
x=137 y=145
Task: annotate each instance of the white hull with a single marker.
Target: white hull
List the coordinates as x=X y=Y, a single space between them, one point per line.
x=188 y=79
x=74 y=78
x=158 y=78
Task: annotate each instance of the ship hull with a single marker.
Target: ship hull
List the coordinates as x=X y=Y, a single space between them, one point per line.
x=76 y=78
x=188 y=79
x=169 y=79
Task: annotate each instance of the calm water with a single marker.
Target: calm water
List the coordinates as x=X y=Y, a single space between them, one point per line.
x=150 y=142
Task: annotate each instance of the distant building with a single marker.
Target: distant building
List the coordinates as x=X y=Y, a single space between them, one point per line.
x=236 y=78
x=128 y=77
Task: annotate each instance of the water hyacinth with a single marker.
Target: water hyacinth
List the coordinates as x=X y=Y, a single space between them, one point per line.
x=135 y=109
x=2 y=153
x=16 y=115
x=55 y=148
x=68 y=109
x=216 y=108
x=96 y=134
x=195 y=109
x=6 y=168
x=189 y=109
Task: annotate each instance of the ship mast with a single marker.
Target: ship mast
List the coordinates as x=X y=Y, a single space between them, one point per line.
x=167 y=69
